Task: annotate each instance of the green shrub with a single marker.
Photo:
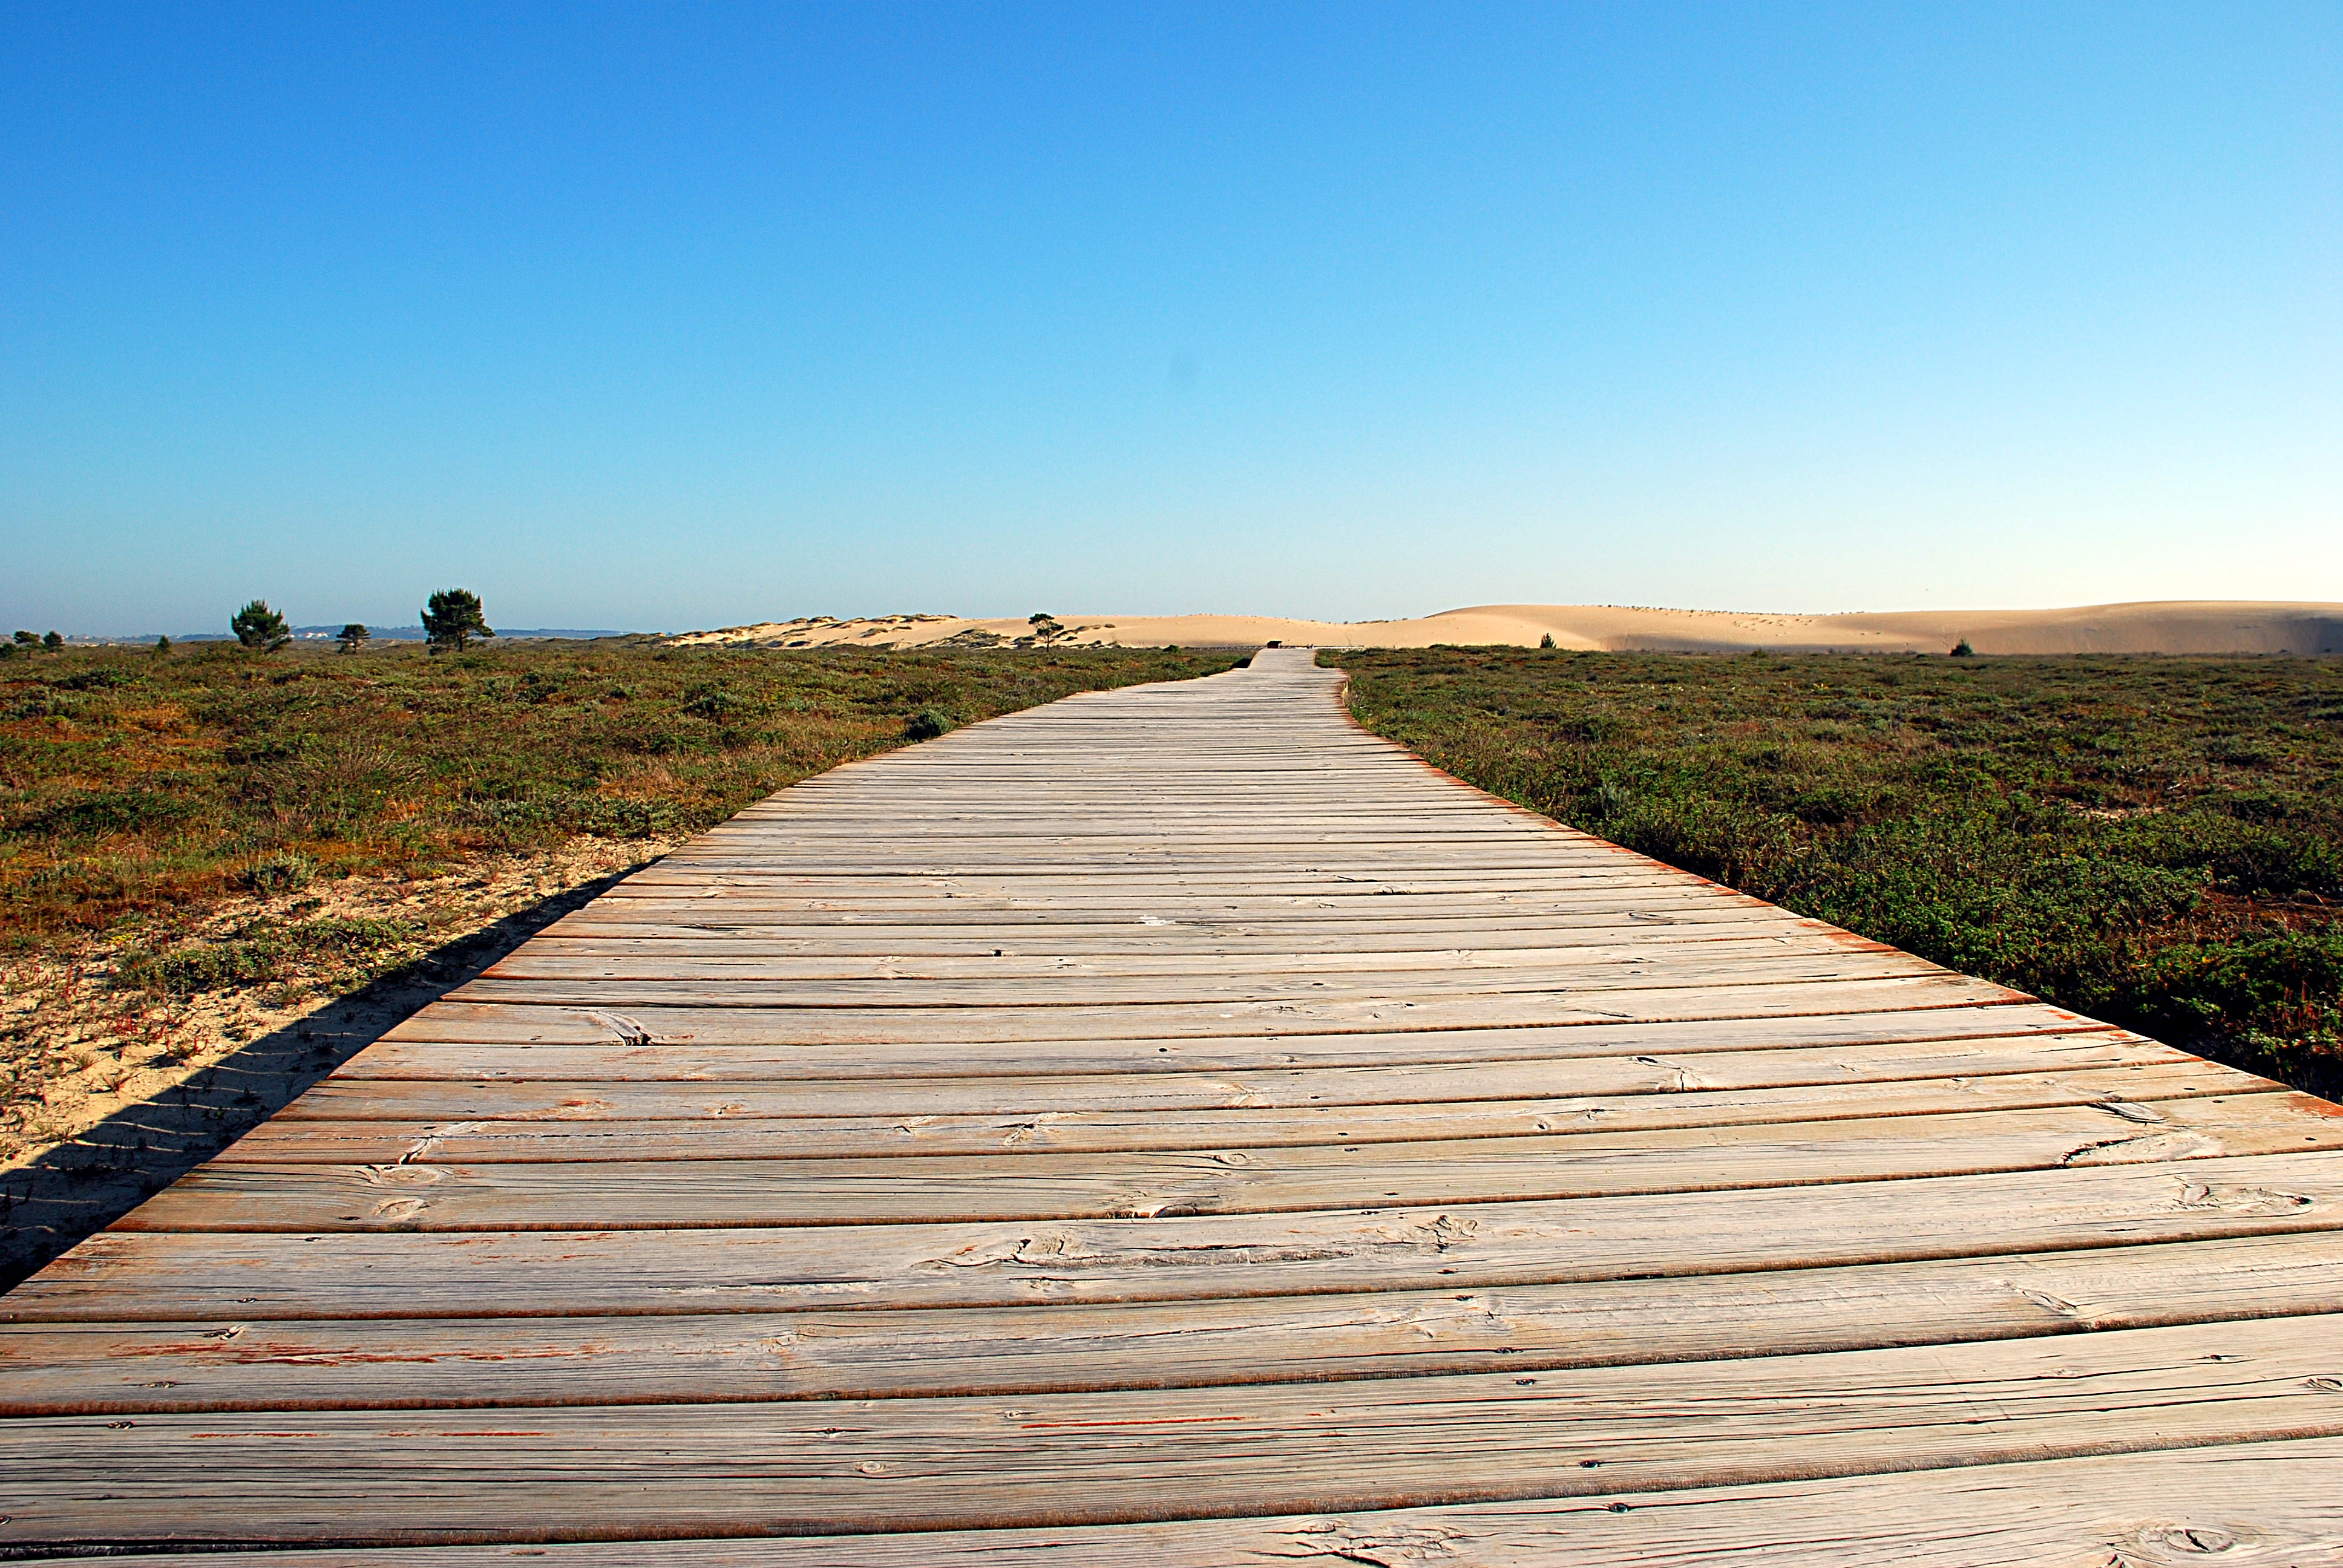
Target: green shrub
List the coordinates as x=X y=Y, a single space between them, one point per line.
x=2242 y=985
x=97 y=677
x=926 y=724
x=715 y=701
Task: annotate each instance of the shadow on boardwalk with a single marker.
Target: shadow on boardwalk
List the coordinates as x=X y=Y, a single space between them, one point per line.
x=93 y=1179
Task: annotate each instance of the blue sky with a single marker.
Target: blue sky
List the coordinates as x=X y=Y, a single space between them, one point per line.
x=672 y=315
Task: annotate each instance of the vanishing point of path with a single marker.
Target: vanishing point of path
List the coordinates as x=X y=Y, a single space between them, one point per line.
x=1174 y=1128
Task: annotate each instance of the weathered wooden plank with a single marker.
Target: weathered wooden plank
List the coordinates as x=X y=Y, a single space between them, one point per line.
x=1143 y=870
x=906 y=870
x=735 y=985
x=1392 y=895
x=588 y=931
x=2255 y=1503
x=1108 y=826
x=1664 y=951
x=426 y=1193
x=551 y=1043
x=1132 y=1455
x=1082 y=805
x=1334 y=913
x=836 y=823
x=1169 y=871
x=125 y=1275
x=1330 y=902
x=1216 y=836
x=613 y=1126
x=1303 y=921
x=526 y=1010
x=1028 y=837
x=226 y=1363
x=427 y=1083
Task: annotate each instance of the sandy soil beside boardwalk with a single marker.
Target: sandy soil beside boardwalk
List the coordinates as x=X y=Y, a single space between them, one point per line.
x=116 y=1095
x=2198 y=627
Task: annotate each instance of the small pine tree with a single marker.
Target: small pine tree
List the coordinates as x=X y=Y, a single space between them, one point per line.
x=260 y=628
x=161 y=645
x=1962 y=649
x=1546 y=641
x=53 y=643
x=453 y=619
x=353 y=637
x=26 y=640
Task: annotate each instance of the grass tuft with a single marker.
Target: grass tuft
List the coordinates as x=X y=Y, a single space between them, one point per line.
x=262 y=956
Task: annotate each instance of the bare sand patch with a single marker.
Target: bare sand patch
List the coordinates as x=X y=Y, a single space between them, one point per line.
x=2177 y=627
x=117 y=1093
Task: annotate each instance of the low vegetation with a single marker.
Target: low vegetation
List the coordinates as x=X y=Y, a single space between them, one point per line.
x=135 y=788
x=2154 y=841
x=272 y=953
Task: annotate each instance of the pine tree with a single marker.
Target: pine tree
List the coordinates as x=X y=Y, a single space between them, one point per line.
x=453 y=619
x=353 y=637
x=260 y=628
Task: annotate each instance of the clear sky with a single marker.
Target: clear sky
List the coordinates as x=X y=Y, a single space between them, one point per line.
x=667 y=316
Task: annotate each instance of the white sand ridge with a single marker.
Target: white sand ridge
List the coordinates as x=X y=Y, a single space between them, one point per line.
x=2177 y=626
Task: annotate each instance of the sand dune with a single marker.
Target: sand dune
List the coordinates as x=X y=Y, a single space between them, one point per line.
x=2167 y=627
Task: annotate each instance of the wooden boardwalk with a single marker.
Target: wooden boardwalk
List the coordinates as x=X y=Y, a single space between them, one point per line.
x=1173 y=1127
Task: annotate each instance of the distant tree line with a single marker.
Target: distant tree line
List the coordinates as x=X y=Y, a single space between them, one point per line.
x=453 y=619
